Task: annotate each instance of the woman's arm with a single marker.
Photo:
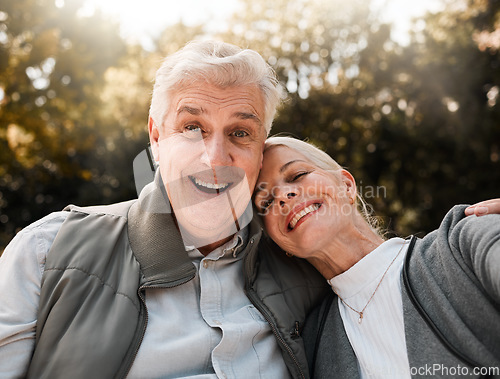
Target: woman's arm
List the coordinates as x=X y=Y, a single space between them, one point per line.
x=478 y=241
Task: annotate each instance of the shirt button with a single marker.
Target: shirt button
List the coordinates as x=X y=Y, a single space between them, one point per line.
x=251 y=241
x=205 y=264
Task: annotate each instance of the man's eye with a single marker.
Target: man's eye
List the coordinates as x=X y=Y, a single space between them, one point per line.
x=240 y=133
x=193 y=128
x=193 y=132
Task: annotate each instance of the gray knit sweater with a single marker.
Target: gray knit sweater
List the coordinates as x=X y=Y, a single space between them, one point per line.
x=451 y=305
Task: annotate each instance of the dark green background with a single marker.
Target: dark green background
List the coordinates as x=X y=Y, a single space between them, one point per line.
x=420 y=121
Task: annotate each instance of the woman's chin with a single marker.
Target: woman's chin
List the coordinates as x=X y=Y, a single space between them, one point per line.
x=301 y=242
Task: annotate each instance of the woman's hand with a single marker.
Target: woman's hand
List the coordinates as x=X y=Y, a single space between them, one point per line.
x=484 y=207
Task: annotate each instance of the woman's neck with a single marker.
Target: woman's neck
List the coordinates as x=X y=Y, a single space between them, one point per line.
x=345 y=250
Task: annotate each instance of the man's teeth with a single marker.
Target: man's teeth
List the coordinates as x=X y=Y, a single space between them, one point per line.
x=215 y=186
x=302 y=213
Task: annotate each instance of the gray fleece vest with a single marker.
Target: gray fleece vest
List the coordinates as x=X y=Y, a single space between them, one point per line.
x=92 y=313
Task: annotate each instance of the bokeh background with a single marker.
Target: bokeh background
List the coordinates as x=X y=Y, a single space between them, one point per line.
x=403 y=94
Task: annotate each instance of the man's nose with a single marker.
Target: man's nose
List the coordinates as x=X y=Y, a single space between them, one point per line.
x=217 y=152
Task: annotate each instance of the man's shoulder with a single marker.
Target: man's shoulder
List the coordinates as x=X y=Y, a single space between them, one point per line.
x=46 y=227
x=118 y=209
x=88 y=236
x=37 y=237
x=55 y=219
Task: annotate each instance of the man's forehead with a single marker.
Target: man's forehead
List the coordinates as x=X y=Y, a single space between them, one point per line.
x=241 y=114
x=204 y=96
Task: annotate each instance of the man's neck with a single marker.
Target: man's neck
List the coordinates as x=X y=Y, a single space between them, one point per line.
x=207 y=249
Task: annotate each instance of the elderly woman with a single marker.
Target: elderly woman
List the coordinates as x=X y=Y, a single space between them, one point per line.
x=398 y=307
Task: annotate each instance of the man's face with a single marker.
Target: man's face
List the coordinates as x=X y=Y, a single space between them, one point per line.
x=210 y=152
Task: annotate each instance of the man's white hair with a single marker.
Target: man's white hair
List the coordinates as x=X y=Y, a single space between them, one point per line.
x=220 y=64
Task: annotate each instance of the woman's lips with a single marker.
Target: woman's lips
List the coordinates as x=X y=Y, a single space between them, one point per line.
x=301 y=211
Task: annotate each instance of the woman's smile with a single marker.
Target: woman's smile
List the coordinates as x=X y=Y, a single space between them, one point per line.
x=300 y=213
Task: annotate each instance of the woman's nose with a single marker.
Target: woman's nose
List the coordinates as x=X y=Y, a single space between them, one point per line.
x=287 y=196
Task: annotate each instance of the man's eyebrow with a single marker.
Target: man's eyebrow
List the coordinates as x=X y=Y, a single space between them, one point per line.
x=285 y=166
x=248 y=116
x=190 y=110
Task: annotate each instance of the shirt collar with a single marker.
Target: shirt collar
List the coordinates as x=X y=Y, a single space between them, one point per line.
x=367 y=270
x=234 y=246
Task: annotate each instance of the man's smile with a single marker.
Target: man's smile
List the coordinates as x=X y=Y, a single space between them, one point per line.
x=208 y=187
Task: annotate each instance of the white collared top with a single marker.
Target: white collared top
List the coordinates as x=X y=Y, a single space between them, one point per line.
x=379 y=340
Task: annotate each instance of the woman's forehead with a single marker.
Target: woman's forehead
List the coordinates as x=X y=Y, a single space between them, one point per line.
x=278 y=155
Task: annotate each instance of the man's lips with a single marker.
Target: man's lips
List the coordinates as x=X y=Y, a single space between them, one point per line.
x=209 y=187
x=216 y=180
x=299 y=213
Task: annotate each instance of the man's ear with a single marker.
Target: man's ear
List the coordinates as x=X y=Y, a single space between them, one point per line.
x=154 y=136
x=349 y=182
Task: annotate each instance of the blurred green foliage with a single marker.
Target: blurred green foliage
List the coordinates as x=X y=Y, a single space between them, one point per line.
x=417 y=125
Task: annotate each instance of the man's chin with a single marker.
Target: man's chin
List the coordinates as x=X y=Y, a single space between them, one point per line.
x=205 y=224
x=201 y=232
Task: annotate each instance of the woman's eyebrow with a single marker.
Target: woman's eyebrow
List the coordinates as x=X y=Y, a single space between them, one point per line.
x=285 y=166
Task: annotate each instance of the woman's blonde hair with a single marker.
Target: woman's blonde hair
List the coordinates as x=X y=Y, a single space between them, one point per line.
x=325 y=162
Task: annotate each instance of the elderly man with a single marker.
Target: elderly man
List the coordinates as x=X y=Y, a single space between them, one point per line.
x=134 y=290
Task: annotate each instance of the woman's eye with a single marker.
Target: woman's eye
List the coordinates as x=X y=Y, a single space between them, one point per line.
x=266 y=203
x=299 y=175
x=240 y=133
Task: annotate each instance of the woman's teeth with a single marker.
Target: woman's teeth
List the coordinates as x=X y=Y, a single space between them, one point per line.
x=302 y=213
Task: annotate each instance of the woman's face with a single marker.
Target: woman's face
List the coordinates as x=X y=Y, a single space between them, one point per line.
x=303 y=206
